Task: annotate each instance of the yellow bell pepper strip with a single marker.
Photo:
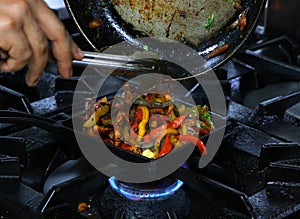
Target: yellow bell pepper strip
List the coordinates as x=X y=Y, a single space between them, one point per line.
x=181 y=109
x=173 y=116
x=196 y=141
x=166 y=147
x=205 y=117
x=143 y=123
x=101 y=111
x=173 y=139
x=148 y=153
x=170 y=109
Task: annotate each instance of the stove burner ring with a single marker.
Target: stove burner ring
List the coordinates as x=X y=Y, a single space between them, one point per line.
x=164 y=198
x=135 y=193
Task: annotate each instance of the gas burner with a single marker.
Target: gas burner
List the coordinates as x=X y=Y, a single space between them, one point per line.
x=147 y=200
x=135 y=193
x=255 y=173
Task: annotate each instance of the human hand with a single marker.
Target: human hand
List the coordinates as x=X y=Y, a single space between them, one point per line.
x=25 y=27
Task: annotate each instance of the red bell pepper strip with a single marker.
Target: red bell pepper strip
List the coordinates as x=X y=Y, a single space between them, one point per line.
x=126 y=146
x=133 y=130
x=155 y=133
x=166 y=148
x=196 y=141
x=159 y=118
x=203 y=131
x=157 y=111
x=108 y=140
x=138 y=116
x=177 y=122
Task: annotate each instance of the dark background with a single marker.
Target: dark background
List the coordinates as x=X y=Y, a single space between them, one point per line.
x=284 y=16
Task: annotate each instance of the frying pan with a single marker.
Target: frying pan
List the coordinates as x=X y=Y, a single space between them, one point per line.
x=114 y=29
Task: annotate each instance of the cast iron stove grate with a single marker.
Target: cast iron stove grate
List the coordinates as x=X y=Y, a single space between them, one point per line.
x=249 y=177
x=255 y=173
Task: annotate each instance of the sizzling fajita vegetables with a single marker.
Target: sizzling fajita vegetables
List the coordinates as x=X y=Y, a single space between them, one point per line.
x=154 y=121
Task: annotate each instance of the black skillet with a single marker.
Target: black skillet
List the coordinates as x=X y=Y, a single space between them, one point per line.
x=114 y=29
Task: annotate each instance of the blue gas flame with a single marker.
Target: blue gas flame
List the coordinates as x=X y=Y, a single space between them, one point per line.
x=133 y=195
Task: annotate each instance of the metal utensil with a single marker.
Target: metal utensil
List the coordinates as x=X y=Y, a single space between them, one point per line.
x=121 y=62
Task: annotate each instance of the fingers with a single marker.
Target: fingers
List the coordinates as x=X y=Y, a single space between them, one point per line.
x=76 y=51
x=23 y=40
x=64 y=49
x=39 y=47
x=15 y=43
x=25 y=26
x=3 y=54
x=64 y=53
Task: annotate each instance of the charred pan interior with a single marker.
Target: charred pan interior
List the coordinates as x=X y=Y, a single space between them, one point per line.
x=184 y=20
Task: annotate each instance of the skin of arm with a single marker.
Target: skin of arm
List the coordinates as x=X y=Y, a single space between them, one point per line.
x=26 y=26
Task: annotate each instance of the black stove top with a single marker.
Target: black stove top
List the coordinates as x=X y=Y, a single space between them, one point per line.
x=255 y=173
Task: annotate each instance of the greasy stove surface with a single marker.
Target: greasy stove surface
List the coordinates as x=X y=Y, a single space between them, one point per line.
x=255 y=174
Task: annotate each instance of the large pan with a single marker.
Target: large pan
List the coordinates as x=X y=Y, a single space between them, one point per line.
x=114 y=29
